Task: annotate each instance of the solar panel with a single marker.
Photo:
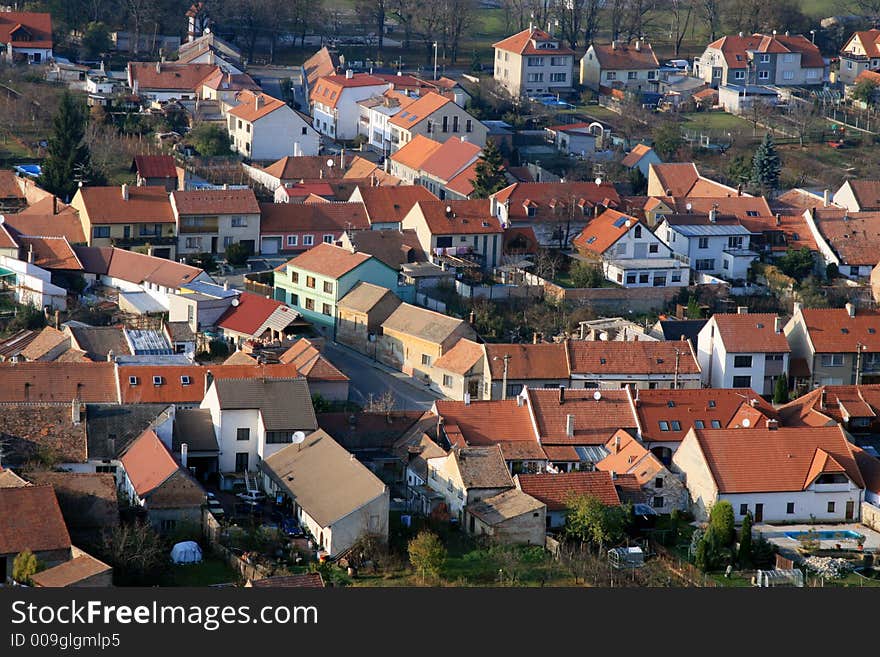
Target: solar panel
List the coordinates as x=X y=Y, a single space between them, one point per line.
x=620 y=222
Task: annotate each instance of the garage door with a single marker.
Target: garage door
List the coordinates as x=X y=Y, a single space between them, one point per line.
x=270 y=246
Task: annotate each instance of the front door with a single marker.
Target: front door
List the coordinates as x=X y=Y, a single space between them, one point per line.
x=241 y=462
x=214 y=244
x=850 y=509
x=759 y=512
x=474 y=388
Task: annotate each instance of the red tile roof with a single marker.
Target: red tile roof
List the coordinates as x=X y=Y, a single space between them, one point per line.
x=832 y=330
x=639 y=357
x=47 y=217
x=866 y=193
x=594 y=421
x=93 y=383
x=415 y=152
x=626 y=455
x=461 y=358
x=852 y=235
x=681 y=409
x=780 y=460
x=463 y=218
x=320 y=65
x=155 y=166
x=736 y=48
x=543 y=361
x=524 y=43
x=869 y=40
x=625 y=56
x=51 y=252
x=550 y=201
x=253 y=106
x=106 y=205
x=30 y=519
x=148 y=463
x=168 y=76
x=683 y=179
x=216 y=201
x=390 y=205
x=137 y=267
x=328 y=90
x=869 y=466
x=750 y=333
x=251 y=314
x=555 y=490
x=463 y=182
x=308 y=360
x=305 y=167
x=327 y=260
x=418 y=111
x=635 y=155
x=485 y=423
x=36 y=27
x=453 y=156
x=602 y=232
x=828 y=405
x=296 y=217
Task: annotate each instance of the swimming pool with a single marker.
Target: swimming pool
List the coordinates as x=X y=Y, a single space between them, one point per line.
x=827 y=535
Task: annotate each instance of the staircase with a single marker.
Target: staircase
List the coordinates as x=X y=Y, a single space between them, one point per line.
x=251 y=482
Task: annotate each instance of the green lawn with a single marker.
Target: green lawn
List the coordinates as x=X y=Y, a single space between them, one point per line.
x=210 y=571
x=714 y=122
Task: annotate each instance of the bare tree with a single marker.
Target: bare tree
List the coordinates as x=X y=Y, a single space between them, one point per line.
x=681 y=12
x=710 y=13
x=578 y=18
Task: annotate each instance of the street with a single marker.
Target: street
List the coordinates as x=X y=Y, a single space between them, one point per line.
x=368 y=377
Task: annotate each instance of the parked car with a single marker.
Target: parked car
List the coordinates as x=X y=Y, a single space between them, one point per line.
x=292 y=528
x=251 y=496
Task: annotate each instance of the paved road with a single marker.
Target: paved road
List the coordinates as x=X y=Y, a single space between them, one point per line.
x=369 y=377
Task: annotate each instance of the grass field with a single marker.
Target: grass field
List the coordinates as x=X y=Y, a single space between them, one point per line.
x=210 y=571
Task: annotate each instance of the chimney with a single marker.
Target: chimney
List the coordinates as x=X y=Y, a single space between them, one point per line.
x=616 y=447
x=787 y=33
x=638 y=45
x=772 y=425
x=57 y=320
x=741 y=35
x=739 y=190
x=74 y=412
x=850 y=309
x=467 y=399
x=612 y=474
x=321 y=173
x=535 y=337
x=111 y=356
x=349 y=74
x=777 y=324
x=183 y=454
x=826 y=198
x=614 y=44
x=713 y=214
x=342 y=159
x=569 y=425
x=124 y=192
x=778 y=219
x=519 y=400
x=822 y=400
x=742 y=310
x=54 y=204
x=209 y=378
x=30 y=256
x=258 y=101
x=158 y=67
x=561 y=395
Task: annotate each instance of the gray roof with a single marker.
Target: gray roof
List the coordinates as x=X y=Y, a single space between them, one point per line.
x=97 y=341
x=195 y=428
x=504 y=506
x=425 y=324
x=363 y=297
x=324 y=479
x=111 y=428
x=709 y=230
x=284 y=403
x=482 y=467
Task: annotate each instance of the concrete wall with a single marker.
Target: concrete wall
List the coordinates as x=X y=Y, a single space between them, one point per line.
x=526 y=529
x=871 y=516
x=688 y=459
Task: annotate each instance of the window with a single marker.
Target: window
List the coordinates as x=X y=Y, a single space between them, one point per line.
x=426 y=360
x=328 y=239
x=535 y=77
x=328 y=287
x=704 y=264
x=535 y=61
x=310 y=304
x=558 y=77
x=292 y=240
x=105 y=469
x=638 y=232
x=243 y=434
x=631 y=75
x=310 y=282
x=447 y=381
x=832 y=360
x=742 y=361
x=676 y=425
x=788 y=75
x=294 y=277
x=652 y=75
x=658 y=502
x=305 y=130
x=227 y=241
x=454 y=124
x=643 y=278
x=101 y=231
x=185 y=380
x=278 y=437
x=703 y=243
x=711 y=403
x=831 y=507
x=664 y=425
x=763 y=75
x=659 y=280
x=789 y=508
x=699 y=424
x=735 y=242
x=742 y=382
x=194 y=242
x=676 y=277
x=239 y=222
x=743 y=509
x=716 y=424
x=630 y=279
x=765 y=59
x=326 y=309
x=308 y=240
x=132 y=380
x=610 y=75
x=658 y=482
x=739 y=75
x=513 y=389
x=445 y=122
x=653 y=248
x=558 y=61
x=469 y=125
x=157 y=380
x=788 y=58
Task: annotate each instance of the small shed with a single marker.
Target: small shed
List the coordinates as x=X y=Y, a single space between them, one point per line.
x=626 y=557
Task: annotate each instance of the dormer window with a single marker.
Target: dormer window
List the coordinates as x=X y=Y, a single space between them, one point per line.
x=185 y=380
x=132 y=380
x=157 y=380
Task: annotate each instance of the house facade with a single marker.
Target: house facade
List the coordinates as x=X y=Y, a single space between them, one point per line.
x=533 y=62
x=618 y=65
x=210 y=220
x=860 y=53
x=334 y=102
x=264 y=128
x=436 y=117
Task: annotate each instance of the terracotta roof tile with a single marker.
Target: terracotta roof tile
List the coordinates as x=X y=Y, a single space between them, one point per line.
x=307 y=359
x=869 y=466
x=305 y=167
x=852 y=235
x=328 y=90
x=295 y=217
x=635 y=155
x=38 y=26
x=30 y=519
x=148 y=463
x=393 y=247
x=750 y=333
x=461 y=358
x=462 y=183
x=594 y=421
x=626 y=455
x=602 y=232
x=528 y=361
x=216 y=201
x=168 y=76
x=869 y=40
x=735 y=48
x=58 y=382
x=48 y=217
x=155 y=166
x=639 y=357
x=550 y=201
x=106 y=205
x=391 y=205
x=319 y=65
x=252 y=313
x=465 y=218
x=779 y=460
x=418 y=111
x=253 y=106
x=327 y=260
x=554 y=489
x=71 y=572
x=51 y=252
x=626 y=56
x=415 y=152
x=8 y=186
x=832 y=330
x=523 y=43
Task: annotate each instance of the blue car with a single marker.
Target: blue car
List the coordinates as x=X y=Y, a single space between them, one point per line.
x=292 y=528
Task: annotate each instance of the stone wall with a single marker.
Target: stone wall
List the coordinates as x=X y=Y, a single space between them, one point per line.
x=871 y=516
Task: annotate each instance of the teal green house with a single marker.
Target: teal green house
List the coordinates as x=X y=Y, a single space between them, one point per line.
x=314 y=281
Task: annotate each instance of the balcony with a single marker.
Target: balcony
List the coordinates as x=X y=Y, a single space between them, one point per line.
x=142 y=240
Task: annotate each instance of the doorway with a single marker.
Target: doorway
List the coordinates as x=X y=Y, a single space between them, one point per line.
x=850 y=509
x=241 y=462
x=759 y=513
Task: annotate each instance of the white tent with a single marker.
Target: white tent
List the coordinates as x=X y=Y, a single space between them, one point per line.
x=186 y=552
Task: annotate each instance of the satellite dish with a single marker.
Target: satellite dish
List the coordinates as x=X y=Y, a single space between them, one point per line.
x=628 y=223
x=330 y=163
x=235 y=302
x=597 y=395
x=298 y=437
x=598 y=181
x=688 y=207
x=747 y=423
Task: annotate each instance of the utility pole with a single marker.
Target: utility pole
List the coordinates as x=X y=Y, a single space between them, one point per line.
x=435 y=60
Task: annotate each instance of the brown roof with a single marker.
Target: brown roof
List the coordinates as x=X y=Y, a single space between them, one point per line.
x=51 y=252
x=41 y=218
x=624 y=56
x=88 y=500
x=295 y=217
x=8 y=186
x=626 y=455
x=148 y=463
x=393 y=247
x=327 y=260
x=869 y=40
x=683 y=179
x=485 y=423
x=329 y=89
x=307 y=359
x=505 y=506
x=482 y=467
x=852 y=235
x=391 y=204
x=750 y=332
x=415 y=152
x=639 y=357
x=736 y=48
x=70 y=572
x=867 y=193
x=869 y=466
x=255 y=313
x=8 y=479
x=418 y=111
x=216 y=201
x=32 y=431
x=594 y=421
x=58 y=382
x=319 y=65
x=780 y=460
x=528 y=361
x=667 y=415
x=602 y=232
x=832 y=330
x=106 y=205
x=155 y=166
x=635 y=155
x=550 y=200
x=168 y=76
x=828 y=405
x=554 y=490
x=453 y=156
x=463 y=218
x=253 y=106
x=461 y=358
x=524 y=43
x=30 y=519
x=26 y=29
x=137 y=267
x=221 y=80
x=305 y=167
x=463 y=182
x=48 y=339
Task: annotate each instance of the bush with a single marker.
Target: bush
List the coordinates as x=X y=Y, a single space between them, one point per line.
x=586 y=275
x=210 y=140
x=24 y=567
x=237 y=254
x=218 y=348
x=721 y=523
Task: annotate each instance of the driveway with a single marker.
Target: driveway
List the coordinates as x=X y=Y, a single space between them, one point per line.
x=369 y=377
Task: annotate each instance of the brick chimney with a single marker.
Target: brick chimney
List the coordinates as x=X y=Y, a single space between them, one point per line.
x=850 y=309
x=124 y=192
x=561 y=395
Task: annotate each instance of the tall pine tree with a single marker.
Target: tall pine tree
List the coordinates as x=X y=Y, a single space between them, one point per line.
x=490 y=172
x=766 y=165
x=68 y=161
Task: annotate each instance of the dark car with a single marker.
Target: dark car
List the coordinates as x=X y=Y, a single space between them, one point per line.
x=292 y=528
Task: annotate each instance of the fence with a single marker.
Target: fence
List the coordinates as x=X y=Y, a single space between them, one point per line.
x=498 y=292
x=686 y=571
x=257 y=284
x=428 y=302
